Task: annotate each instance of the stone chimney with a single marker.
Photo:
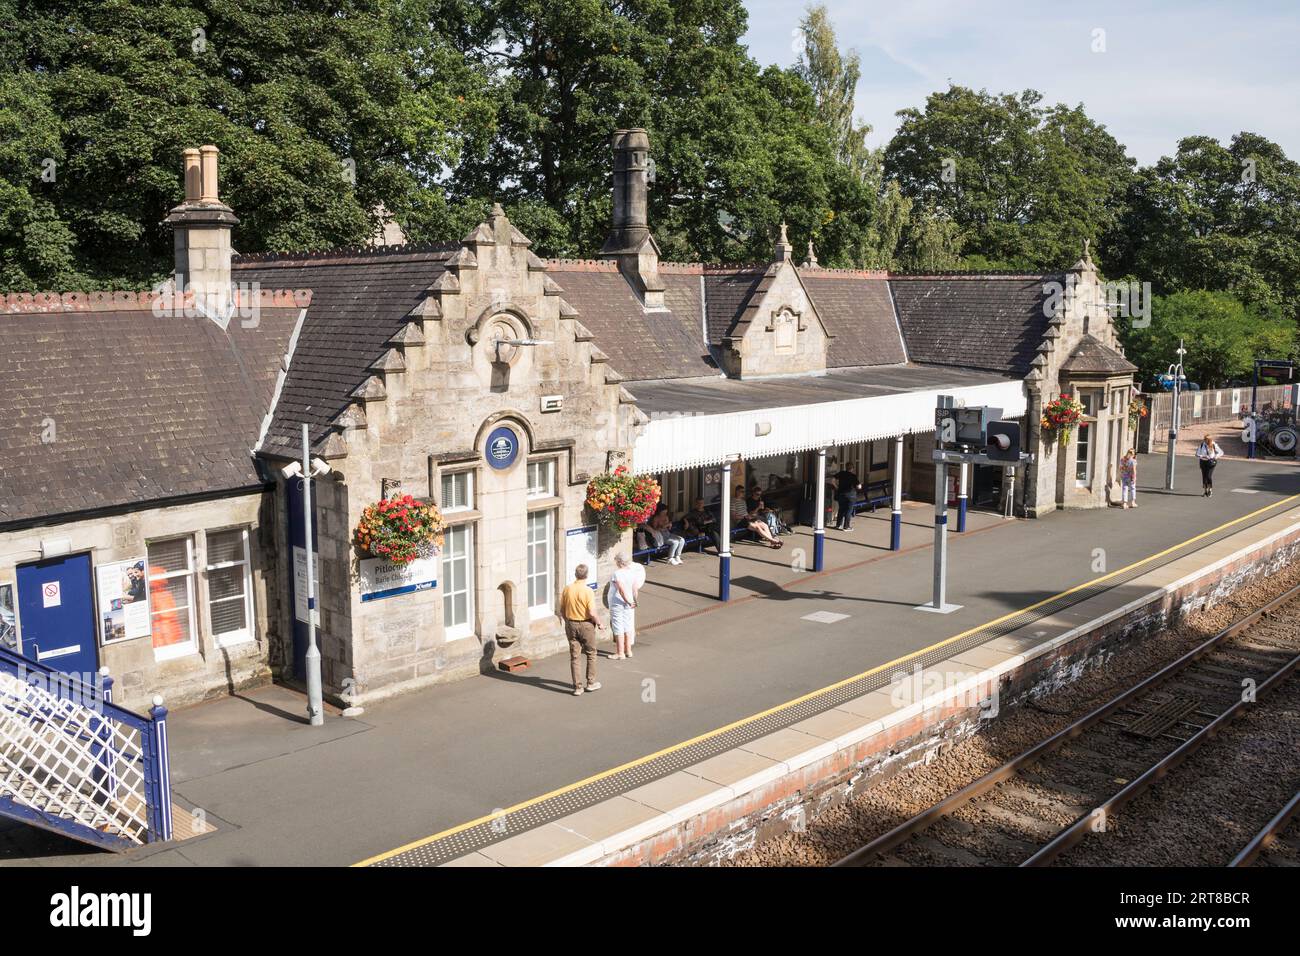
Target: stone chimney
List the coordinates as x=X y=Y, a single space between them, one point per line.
x=629 y=241
x=202 y=226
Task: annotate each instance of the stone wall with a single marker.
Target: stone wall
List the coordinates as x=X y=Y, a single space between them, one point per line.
x=213 y=670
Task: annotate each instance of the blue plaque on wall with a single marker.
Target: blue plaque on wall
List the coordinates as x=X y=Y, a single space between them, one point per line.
x=502 y=447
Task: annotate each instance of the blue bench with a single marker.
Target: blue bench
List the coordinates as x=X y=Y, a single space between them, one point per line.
x=698 y=541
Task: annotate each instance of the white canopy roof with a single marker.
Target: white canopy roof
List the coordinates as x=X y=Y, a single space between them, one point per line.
x=676 y=439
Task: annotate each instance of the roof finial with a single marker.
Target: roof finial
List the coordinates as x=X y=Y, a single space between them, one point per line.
x=811 y=261
x=783 y=248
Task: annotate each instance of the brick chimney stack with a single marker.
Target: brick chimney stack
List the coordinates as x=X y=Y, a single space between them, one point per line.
x=202 y=227
x=629 y=241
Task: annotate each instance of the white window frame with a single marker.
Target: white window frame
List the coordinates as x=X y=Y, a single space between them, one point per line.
x=547 y=607
x=1088 y=447
x=246 y=633
x=174 y=651
x=448 y=507
x=453 y=632
x=548 y=490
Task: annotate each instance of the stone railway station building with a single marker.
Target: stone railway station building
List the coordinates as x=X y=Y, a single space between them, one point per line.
x=146 y=448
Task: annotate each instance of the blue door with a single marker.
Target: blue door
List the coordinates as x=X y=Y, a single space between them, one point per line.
x=297 y=573
x=56 y=614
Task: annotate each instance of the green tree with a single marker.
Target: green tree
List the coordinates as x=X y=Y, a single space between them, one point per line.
x=1222 y=334
x=323 y=113
x=1216 y=217
x=734 y=153
x=834 y=77
x=1024 y=184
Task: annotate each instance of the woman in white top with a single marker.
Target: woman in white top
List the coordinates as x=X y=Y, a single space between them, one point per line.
x=623 y=588
x=1208 y=454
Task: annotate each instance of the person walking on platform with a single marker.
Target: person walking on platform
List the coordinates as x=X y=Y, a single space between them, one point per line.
x=623 y=587
x=580 y=625
x=1128 y=479
x=847 y=486
x=1208 y=454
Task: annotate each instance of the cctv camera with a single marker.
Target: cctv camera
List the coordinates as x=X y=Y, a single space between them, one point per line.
x=292 y=470
x=319 y=466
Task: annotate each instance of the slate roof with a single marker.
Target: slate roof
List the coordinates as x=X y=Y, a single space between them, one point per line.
x=360 y=299
x=640 y=344
x=990 y=322
x=727 y=292
x=141 y=408
x=1090 y=356
x=858 y=312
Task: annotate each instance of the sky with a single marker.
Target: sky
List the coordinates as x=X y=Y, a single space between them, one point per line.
x=1165 y=68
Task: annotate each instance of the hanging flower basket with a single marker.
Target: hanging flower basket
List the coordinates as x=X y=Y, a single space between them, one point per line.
x=621 y=500
x=399 y=529
x=1062 y=415
x=1137 y=410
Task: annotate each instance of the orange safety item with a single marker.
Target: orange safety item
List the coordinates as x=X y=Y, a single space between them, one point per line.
x=166 y=622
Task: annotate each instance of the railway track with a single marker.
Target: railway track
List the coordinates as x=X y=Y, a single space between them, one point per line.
x=1047 y=800
x=1278 y=843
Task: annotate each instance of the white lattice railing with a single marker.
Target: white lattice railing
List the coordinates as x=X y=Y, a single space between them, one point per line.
x=73 y=761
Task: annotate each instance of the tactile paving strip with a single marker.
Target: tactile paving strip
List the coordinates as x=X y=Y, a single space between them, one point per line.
x=446 y=848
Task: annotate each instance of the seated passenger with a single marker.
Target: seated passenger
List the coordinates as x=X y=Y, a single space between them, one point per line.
x=700 y=521
x=743 y=518
x=662 y=525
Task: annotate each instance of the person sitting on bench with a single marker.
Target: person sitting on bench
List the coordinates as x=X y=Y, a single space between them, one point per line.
x=699 y=522
x=759 y=509
x=742 y=517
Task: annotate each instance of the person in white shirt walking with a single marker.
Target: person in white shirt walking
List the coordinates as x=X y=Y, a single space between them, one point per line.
x=1208 y=454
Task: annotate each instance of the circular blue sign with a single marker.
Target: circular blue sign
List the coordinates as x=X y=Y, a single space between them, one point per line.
x=502 y=447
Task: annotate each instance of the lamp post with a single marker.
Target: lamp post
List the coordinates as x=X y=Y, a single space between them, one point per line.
x=1177 y=370
x=308 y=469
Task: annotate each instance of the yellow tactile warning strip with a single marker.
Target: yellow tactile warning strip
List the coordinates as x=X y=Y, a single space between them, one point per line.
x=476 y=834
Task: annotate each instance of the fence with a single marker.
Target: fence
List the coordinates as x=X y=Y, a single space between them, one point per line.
x=1211 y=405
x=73 y=761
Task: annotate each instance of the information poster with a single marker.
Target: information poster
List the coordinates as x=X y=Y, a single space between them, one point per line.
x=123 y=591
x=580 y=548
x=8 y=618
x=381 y=578
x=300 y=584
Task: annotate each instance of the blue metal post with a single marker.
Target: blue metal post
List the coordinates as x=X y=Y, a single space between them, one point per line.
x=158 y=778
x=819 y=523
x=896 y=513
x=724 y=550
x=963 y=472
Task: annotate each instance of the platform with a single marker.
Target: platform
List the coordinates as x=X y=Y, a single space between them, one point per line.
x=510 y=769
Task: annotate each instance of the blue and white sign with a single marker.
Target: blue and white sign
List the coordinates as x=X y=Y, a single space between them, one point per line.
x=502 y=447
x=381 y=578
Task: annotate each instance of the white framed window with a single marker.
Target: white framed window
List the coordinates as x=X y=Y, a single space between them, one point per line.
x=458 y=581
x=1083 y=456
x=457 y=491
x=171 y=597
x=230 y=587
x=541 y=478
x=541 y=563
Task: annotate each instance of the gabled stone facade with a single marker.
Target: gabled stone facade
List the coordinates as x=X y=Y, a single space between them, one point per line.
x=779 y=332
x=1080 y=355
x=458 y=371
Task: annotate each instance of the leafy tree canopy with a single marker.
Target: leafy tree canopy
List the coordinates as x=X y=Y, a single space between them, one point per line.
x=1222 y=334
x=323 y=112
x=1024 y=184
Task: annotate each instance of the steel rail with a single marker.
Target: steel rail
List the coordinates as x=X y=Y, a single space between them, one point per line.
x=1077 y=830
x=988 y=781
x=1265 y=837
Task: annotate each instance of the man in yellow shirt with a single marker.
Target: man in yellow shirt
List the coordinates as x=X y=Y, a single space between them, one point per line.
x=580 y=624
